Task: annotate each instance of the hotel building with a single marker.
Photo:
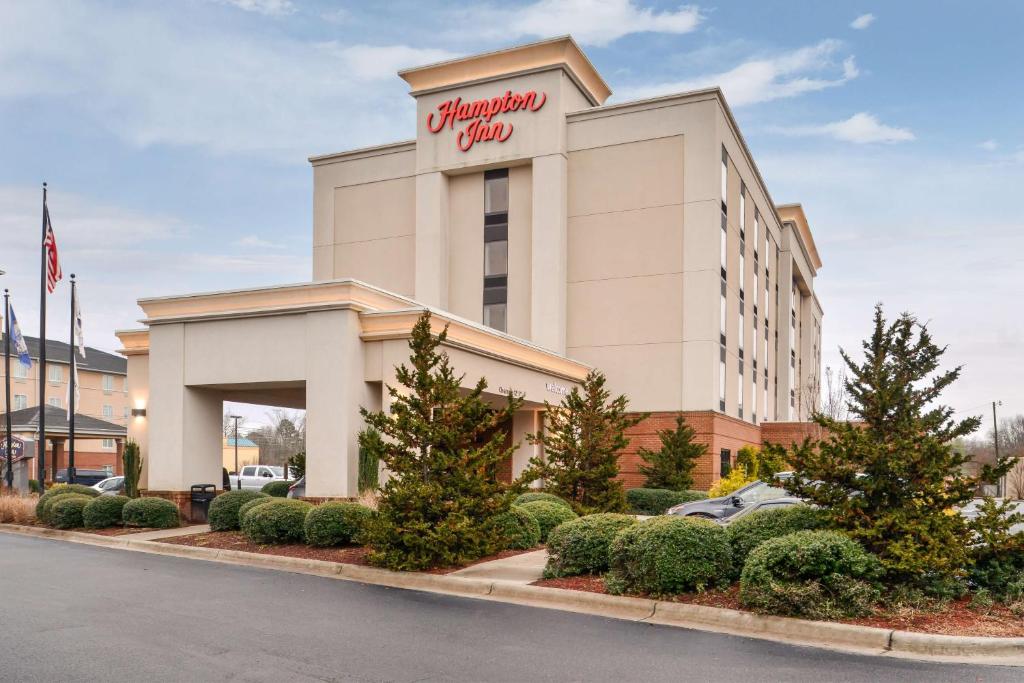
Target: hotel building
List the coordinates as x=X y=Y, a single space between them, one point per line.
x=555 y=233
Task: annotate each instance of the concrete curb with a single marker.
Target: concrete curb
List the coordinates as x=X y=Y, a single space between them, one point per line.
x=848 y=637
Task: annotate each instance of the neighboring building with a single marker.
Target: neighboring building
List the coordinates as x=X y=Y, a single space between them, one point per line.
x=102 y=393
x=248 y=453
x=638 y=238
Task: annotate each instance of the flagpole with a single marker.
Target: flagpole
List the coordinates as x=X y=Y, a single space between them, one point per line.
x=41 y=456
x=7 y=389
x=71 y=391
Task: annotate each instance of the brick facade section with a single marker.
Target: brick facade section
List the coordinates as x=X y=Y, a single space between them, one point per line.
x=716 y=431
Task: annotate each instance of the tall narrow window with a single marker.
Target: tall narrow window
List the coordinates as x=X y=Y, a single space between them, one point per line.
x=54 y=374
x=743 y=211
x=739 y=392
x=743 y=271
x=725 y=462
x=495 y=312
x=723 y=244
x=753 y=397
x=742 y=331
x=725 y=177
x=722 y=316
x=20 y=401
x=721 y=379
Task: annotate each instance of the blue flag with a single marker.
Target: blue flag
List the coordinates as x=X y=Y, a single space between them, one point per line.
x=20 y=347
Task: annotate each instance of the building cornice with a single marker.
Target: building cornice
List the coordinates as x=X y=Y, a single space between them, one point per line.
x=364 y=152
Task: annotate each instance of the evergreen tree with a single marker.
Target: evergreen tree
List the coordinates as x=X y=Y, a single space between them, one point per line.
x=891 y=478
x=442 y=446
x=582 y=439
x=671 y=467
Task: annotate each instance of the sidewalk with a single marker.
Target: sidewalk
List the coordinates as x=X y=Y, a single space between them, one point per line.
x=524 y=568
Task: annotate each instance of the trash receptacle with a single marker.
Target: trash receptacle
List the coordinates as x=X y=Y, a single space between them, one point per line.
x=202 y=494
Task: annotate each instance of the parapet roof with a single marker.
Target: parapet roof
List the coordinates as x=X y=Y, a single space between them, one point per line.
x=562 y=51
x=795 y=214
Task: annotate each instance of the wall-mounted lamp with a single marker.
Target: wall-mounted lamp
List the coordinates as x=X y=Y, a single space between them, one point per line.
x=138 y=412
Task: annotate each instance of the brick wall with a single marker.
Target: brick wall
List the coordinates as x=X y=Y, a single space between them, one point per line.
x=789 y=433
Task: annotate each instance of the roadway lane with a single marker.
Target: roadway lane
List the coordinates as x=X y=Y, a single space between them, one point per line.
x=76 y=612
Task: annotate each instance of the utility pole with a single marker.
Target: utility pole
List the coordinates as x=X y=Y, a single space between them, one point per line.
x=238 y=472
x=1001 y=488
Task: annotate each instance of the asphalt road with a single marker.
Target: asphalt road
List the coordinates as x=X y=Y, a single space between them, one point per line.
x=74 y=612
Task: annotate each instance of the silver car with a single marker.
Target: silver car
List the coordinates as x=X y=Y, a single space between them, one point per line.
x=111 y=486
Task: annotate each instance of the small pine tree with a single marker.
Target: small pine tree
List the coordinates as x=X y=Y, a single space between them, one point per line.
x=582 y=439
x=671 y=467
x=132 y=461
x=892 y=478
x=295 y=466
x=442 y=446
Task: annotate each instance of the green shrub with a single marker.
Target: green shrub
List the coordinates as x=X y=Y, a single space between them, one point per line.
x=548 y=515
x=104 y=511
x=580 y=546
x=52 y=500
x=66 y=511
x=249 y=505
x=58 y=489
x=669 y=555
x=517 y=529
x=276 y=489
x=750 y=531
x=814 y=574
x=223 y=513
x=531 y=496
x=33 y=486
x=154 y=513
x=998 y=555
x=282 y=520
x=657 y=501
x=336 y=523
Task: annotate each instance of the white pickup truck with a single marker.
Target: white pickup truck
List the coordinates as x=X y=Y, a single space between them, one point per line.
x=254 y=477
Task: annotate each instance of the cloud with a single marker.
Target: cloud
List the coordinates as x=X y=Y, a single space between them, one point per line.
x=989 y=145
x=269 y=8
x=591 y=22
x=861 y=128
x=257 y=242
x=862 y=22
x=761 y=80
x=152 y=80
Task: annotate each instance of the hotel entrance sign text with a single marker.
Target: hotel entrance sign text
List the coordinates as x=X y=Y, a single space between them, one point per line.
x=478 y=114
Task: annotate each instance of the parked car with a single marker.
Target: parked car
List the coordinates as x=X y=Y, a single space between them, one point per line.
x=721 y=509
x=298 y=489
x=761 y=505
x=111 y=486
x=254 y=477
x=85 y=477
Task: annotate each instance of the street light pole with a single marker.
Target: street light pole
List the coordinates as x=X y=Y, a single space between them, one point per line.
x=238 y=472
x=1001 y=484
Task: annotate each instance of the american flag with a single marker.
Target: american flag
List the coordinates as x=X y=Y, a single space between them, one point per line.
x=53 y=273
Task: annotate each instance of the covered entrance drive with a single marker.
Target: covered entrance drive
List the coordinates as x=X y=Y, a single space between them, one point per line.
x=326 y=347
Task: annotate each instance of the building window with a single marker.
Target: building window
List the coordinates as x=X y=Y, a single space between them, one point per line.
x=495 y=311
x=725 y=177
x=757 y=232
x=767 y=299
x=108 y=384
x=739 y=392
x=19 y=371
x=108 y=412
x=753 y=397
x=127 y=412
x=53 y=401
x=724 y=245
x=725 y=462
x=721 y=379
x=743 y=268
x=743 y=211
x=722 y=315
x=124 y=384
x=20 y=401
x=54 y=374
x=742 y=333
x=765 y=406
x=108 y=443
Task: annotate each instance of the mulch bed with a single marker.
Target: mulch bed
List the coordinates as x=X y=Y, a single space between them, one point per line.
x=956 y=618
x=234 y=540
x=116 y=530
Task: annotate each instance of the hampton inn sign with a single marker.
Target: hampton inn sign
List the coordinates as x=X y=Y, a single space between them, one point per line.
x=479 y=114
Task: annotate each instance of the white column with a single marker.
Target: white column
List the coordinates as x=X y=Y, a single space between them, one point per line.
x=783 y=319
x=432 y=239
x=335 y=389
x=548 y=284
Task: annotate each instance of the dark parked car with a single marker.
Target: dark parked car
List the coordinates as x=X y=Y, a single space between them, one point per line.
x=721 y=509
x=85 y=477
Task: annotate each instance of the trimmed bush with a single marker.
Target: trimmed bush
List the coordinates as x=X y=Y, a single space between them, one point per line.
x=52 y=500
x=154 y=513
x=104 y=511
x=548 y=515
x=58 y=489
x=580 y=546
x=517 y=529
x=249 y=505
x=669 y=555
x=814 y=574
x=336 y=523
x=66 y=511
x=748 y=532
x=532 y=496
x=223 y=512
x=277 y=489
x=282 y=520
x=657 y=501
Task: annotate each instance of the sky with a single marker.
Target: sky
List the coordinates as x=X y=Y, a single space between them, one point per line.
x=175 y=137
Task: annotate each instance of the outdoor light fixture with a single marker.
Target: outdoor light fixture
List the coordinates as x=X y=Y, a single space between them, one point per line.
x=138 y=412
